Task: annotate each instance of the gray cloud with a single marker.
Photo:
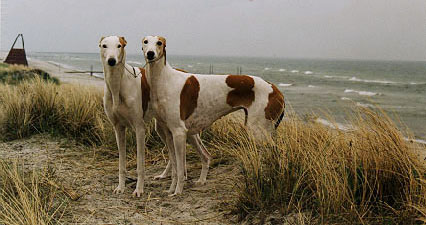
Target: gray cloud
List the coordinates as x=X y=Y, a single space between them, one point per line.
x=372 y=29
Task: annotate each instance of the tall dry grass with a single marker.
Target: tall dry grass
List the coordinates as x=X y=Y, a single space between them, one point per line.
x=369 y=174
x=14 y=74
x=27 y=197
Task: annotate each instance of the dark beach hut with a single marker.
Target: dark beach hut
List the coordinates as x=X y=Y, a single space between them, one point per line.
x=17 y=55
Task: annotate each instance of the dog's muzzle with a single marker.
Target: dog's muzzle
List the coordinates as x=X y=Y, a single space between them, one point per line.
x=150 y=55
x=111 y=62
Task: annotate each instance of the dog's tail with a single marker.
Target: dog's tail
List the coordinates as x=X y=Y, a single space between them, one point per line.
x=279 y=120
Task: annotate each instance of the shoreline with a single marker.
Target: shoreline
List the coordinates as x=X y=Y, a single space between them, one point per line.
x=59 y=72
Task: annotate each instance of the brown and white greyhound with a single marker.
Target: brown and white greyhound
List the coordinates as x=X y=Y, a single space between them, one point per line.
x=185 y=104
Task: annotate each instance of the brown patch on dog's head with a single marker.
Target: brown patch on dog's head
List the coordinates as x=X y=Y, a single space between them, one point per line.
x=123 y=41
x=181 y=70
x=145 y=91
x=275 y=105
x=163 y=47
x=243 y=94
x=189 y=97
x=102 y=38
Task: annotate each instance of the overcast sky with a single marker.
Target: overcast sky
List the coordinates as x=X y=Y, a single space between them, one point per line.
x=358 y=29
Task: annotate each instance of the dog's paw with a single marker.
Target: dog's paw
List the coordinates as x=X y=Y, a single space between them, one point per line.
x=159 y=177
x=119 y=189
x=138 y=192
x=200 y=182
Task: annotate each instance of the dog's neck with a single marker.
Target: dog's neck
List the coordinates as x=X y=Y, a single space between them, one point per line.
x=114 y=76
x=155 y=70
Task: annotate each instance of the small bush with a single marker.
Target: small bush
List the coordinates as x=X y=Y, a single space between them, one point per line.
x=14 y=74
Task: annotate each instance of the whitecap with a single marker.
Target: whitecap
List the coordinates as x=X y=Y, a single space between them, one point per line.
x=65 y=66
x=282 y=70
x=364 y=105
x=190 y=66
x=333 y=125
x=308 y=72
x=284 y=85
x=134 y=62
x=367 y=93
x=267 y=68
x=295 y=71
x=372 y=81
x=345 y=99
x=311 y=86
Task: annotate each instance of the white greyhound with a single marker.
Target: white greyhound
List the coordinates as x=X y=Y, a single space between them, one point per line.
x=184 y=104
x=126 y=103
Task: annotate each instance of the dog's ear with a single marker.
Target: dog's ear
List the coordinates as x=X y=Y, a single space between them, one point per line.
x=162 y=39
x=123 y=41
x=101 y=41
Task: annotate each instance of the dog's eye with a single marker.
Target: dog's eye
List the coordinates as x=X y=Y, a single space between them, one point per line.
x=104 y=46
x=145 y=42
x=159 y=43
x=119 y=46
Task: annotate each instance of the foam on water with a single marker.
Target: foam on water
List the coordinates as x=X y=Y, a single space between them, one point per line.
x=333 y=125
x=308 y=72
x=190 y=66
x=364 y=105
x=311 y=86
x=372 y=81
x=346 y=99
x=282 y=70
x=66 y=66
x=295 y=71
x=266 y=68
x=284 y=85
x=134 y=62
x=367 y=93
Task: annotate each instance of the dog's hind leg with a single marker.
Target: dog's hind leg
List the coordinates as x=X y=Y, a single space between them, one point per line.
x=120 y=135
x=205 y=156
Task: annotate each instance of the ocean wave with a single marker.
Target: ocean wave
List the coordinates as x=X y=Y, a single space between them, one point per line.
x=190 y=66
x=134 y=62
x=346 y=99
x=295 y=71
x=334 y=125
x=282 y=70
x=266 y=68
x=308 y=72
x=66 y=66
x=372 y=81
x=367 y=93
x=311 y=86
x=365 y=105
x=284 y=85
x=420 y=141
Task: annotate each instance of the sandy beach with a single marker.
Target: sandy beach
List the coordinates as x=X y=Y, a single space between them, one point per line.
x=64 y=77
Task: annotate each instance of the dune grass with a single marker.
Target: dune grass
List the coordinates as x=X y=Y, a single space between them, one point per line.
x=369 y=174
x=13 y=74
x=27 y=197
x=365 y=175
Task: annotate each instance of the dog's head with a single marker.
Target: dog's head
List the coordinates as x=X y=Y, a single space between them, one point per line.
x=154 y=47
x=112 y=49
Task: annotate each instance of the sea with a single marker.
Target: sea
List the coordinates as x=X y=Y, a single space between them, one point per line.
x=321 y=87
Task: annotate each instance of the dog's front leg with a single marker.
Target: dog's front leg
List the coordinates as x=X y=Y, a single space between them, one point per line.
x=120 y=135
x=205 y=156
x=140 y=159
x=179 y=141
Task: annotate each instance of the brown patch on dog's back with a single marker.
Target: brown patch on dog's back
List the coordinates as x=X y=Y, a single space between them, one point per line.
x=145 y=91
x=243 y=94
x=275 y=104
x=189 y=97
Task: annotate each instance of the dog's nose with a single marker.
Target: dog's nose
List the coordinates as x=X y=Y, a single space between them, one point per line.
x=150 y=55
x=111 y=61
